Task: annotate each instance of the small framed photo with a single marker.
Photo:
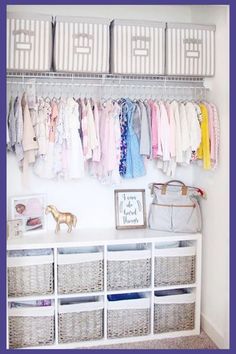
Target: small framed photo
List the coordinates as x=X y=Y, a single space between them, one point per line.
x=130 y=208
x=31 y=210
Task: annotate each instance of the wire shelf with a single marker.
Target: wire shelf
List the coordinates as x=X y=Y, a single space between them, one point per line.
x=108 y=84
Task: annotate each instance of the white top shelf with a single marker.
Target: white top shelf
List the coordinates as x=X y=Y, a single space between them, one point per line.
x=92 y=236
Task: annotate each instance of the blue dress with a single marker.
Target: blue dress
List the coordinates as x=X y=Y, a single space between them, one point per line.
x=134 y=161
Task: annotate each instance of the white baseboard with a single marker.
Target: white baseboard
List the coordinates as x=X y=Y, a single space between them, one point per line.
x=212 y=332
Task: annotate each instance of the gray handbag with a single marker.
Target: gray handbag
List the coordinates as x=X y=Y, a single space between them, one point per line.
x=175 y=207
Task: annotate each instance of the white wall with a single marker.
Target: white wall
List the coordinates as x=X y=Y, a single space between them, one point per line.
x=93 y=203
x=215 y=267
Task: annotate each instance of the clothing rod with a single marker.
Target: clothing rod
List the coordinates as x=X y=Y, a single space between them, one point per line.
x=165 y=87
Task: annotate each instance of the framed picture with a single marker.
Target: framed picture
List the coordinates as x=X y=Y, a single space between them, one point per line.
x=130 y=208
x=31 y=210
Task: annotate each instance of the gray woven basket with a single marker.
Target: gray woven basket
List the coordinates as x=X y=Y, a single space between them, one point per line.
x=175 y=270
x=30 y=331
x=128 y=274
x=30 y=280
x=80 y=326
x=128 y=323
x=80 y=277
x=173 y=317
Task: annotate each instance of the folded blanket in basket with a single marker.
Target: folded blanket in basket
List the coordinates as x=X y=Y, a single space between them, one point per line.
x=170 y=292
x=130 y=296
x=22 y=253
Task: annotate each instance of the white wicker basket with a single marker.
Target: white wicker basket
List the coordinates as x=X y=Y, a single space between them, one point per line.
x=29 y=42
x=30 y=275
x=128 y=269
x=80 y=322
x=174 y=266
x=138 y=47
x=32 y=326
x=174 y=313
x=80 y=272
x=81 y=45
x=190 y=49
x=128 y=318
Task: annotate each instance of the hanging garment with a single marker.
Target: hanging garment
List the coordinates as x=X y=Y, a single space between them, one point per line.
x=203 y=152
x=216 y=123
x=123 y=143
x=164 y=132
x=29 y=141
x=178 y=136
x=149 y=121
x=97 y=149
x=91 y=131
x=75 y=158
x=12 y=125
x=19 y=129
x=155 y=115
x=134 y=162
x=185 y=136
x=145 y=140
x=193 y=126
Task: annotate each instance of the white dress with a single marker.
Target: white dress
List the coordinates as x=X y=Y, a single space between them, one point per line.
x=75 y=158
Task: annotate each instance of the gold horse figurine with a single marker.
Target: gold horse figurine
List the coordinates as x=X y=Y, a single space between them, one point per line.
x=61 y=218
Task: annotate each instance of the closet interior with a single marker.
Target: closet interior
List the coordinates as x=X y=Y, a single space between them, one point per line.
x=99 y=105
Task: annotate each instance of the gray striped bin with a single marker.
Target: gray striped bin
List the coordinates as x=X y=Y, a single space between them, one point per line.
x=81 y=45
x=190 y=49
x=137 y=47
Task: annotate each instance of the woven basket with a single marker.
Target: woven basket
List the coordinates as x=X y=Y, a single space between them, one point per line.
x=128 y=270
x=80 y=325
x=25 y=279
x=80 y=273
x=175 y=266
x=176 y=316
x=30 y=328
x=128 y=321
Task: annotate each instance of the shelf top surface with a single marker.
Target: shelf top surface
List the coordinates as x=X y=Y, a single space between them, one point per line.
x=88 y=237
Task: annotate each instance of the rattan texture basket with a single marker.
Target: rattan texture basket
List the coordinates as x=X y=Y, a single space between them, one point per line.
x=80 y=277
x=30 y=280
x=128 y=323
x=128 y=274
x=175 y=270
x=173 y=317
x=31 y=331
x=81 y=326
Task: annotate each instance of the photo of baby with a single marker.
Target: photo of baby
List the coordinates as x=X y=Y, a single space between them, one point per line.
x=31 y=211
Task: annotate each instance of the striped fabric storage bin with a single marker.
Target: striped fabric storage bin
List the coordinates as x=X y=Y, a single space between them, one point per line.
x=81 y=45
x=137 y=47
x=29 y=42
x=190 y=49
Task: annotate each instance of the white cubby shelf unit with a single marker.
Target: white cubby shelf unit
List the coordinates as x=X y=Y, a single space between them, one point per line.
x=90 y=268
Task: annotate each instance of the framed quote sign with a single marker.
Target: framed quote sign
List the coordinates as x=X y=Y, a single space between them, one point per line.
x=130 y=208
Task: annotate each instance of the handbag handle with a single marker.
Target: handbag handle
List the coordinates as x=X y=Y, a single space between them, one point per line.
x=164 y=186
x=174 y=181
x=184 y=187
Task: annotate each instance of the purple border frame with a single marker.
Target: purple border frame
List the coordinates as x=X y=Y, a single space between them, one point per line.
x=3 y=4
